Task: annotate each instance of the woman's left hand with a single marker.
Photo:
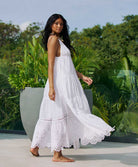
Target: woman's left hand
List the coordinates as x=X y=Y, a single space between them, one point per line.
x=87 y=80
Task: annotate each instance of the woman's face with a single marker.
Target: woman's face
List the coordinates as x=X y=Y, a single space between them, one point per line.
x=57 y=26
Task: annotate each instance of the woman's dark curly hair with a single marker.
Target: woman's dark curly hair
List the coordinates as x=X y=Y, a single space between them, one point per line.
x=64 y=33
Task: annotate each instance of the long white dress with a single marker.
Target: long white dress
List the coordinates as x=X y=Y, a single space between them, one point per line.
x=67 y=120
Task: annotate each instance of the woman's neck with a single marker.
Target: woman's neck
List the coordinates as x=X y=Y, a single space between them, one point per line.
x=53 y=33
x=58 y=35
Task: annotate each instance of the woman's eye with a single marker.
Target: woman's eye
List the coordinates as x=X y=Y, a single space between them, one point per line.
x=59 y=23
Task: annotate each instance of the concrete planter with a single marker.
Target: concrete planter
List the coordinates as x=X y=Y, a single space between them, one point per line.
x=30 y=101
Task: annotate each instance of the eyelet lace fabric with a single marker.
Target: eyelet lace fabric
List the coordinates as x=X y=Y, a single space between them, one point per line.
x=68 y=120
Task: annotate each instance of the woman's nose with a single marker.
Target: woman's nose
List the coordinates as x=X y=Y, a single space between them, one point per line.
x=59 y=25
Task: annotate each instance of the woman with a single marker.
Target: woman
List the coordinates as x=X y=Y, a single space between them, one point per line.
x=65 y=118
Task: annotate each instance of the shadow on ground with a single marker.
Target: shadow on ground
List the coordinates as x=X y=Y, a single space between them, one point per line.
x=123 y=158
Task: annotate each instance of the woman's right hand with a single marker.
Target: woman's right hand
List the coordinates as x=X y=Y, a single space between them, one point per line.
x=51 y=94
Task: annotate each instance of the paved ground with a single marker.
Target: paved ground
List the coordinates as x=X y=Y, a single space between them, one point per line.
x=14 y=152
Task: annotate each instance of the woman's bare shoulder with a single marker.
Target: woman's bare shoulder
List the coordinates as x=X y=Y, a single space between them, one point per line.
x=53 y=39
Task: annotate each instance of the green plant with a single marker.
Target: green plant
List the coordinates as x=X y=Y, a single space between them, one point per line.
x=100 y=105
x=32 y=72
x=9 y=106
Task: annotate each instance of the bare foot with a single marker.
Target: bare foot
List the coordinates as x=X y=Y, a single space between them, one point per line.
x=62 y=159
x=34 y=151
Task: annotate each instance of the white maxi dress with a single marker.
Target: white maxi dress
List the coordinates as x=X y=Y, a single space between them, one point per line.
x=68 y=120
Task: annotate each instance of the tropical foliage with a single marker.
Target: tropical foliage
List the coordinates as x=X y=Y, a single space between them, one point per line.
x=32 y=71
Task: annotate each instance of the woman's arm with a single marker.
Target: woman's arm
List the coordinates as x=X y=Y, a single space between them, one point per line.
x=87 y=80
x=52 y=50
x=80 y=75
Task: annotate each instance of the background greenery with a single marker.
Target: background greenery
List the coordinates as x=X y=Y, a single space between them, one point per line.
x=107 y=54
